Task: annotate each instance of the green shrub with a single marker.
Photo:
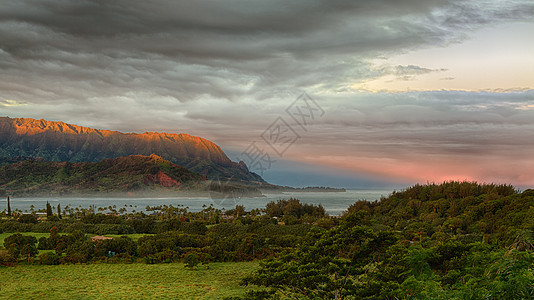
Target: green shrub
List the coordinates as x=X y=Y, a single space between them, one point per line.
x=191 y=260
x=49 y=258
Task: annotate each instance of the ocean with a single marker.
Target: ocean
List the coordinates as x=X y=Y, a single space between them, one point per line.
x=335 y=203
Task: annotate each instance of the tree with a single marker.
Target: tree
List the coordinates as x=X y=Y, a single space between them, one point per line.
x=54 y=238
x=18 y=244
x=48 y=210
x=121 y=245
x=239 y=211
x=8 y=207
x=59 y=210
x=29 y=250
x=326 y=267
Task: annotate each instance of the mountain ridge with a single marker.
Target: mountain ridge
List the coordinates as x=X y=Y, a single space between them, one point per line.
x=60 y=141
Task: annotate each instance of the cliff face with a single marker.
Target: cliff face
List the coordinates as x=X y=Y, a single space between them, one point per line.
x=59 y=141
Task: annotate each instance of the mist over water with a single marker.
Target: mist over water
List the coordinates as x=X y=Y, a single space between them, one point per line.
x=333 y=202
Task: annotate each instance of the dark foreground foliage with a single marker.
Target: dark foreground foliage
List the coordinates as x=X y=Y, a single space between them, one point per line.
x=457 y=240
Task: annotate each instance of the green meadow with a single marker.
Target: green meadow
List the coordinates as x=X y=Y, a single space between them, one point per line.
x=124 y=281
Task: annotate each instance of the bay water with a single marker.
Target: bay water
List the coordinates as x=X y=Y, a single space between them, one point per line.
x=335 y=203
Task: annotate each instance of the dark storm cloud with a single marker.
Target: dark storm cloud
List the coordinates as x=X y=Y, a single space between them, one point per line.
x=59 y=51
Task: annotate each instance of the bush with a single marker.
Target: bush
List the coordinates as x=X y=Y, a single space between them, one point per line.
x=43 y=244
x=191 y=260
x=49 y=258
x=6 y=259
x=28 y=219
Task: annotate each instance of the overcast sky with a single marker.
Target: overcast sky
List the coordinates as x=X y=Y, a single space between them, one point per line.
x=412 y=91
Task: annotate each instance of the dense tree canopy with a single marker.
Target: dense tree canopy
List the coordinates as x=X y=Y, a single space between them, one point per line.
x=456 y=240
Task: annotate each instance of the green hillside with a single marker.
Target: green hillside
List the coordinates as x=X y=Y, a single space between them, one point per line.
x=133 y=174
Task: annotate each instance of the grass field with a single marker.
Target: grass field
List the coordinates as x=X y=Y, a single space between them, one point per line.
x=124 y=281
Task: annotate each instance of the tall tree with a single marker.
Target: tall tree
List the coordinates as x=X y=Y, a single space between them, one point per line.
x=8 y=206
x=18 y=244
x=59 y=210
x=48 y=210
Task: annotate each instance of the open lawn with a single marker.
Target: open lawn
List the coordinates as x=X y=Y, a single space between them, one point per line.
x=124 y=281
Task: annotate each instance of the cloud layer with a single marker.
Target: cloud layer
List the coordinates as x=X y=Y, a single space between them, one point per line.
x=226 y=70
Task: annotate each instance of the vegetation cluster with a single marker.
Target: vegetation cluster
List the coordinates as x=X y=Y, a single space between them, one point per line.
x=455 y=240
x=133 y=173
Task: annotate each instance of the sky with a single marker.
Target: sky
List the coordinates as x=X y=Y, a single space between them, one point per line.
x=396 y=92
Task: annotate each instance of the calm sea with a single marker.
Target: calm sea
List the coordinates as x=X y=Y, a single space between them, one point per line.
x=334 y=203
